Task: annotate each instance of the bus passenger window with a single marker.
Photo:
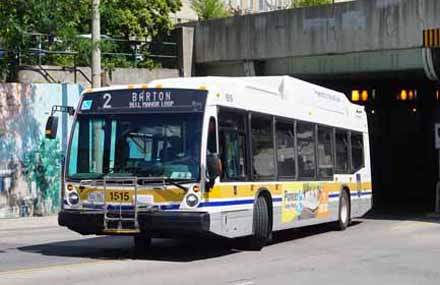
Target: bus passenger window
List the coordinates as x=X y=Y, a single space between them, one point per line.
x=212 y=136
x=342 y=151
x=262 y=147
x=305 y=133
x=357 y=151
x=285 y=150
x=232 y=145
x=325 y=152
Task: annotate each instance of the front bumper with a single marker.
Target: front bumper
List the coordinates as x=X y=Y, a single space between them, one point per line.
x=156 y=223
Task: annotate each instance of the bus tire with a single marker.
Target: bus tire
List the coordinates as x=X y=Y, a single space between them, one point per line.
x=344 y=212
x=261 y=225
x=142 y=242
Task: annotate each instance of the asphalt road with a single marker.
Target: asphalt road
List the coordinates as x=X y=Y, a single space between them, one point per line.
x=375 y=250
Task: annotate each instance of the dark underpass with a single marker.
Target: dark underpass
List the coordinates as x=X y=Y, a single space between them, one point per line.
x=401 y=116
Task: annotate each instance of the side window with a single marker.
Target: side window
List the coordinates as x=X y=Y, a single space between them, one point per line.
x=357 y=151
x=263 y=164
x=285 y=150
x=325 y=152
x=90 y=135
x=342 y=151
x=232 y=145
x=212 y=136
x=305 y=134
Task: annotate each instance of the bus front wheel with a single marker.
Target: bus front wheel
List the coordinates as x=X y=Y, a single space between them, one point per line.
x=261 y=225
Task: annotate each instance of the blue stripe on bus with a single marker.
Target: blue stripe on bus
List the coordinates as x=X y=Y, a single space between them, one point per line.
x=170 y=207
x=211 y=203
x=353 y=194
x=126 y=207
x=226 y=203
x=233 y=202
x=93 y=206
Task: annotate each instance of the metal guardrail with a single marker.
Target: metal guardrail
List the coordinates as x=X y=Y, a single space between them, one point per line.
x=44 y=50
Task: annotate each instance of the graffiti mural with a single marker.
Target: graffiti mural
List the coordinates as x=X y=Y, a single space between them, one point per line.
x=29 y=163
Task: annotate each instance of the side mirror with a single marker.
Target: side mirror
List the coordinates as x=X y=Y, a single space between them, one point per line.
x=214 y=166
x=51 y=127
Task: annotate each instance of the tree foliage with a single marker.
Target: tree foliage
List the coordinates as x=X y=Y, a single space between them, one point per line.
x=209 y=9
x=137 y=18
x=64 y=20
x=307 y=3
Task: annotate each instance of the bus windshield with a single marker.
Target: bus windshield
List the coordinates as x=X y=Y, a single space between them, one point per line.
x=142 y=145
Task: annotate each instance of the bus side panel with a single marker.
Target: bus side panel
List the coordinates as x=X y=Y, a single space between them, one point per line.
x=295 y=204
x=367 y=188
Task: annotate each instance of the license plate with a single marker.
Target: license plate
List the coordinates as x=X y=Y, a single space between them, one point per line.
x=119 y=196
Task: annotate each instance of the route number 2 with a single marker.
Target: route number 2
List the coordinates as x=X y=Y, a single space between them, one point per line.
x=107 y=98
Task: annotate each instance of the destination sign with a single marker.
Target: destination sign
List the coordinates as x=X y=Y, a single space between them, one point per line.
x=144 y=100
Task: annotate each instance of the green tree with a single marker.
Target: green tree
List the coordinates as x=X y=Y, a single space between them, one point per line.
x=307 y=3
x=137 y=18
x=210 y=9
x=20 y=18
x=64 y=20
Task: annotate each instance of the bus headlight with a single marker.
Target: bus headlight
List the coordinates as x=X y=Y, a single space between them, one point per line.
x=73 y=198
x=192 y=200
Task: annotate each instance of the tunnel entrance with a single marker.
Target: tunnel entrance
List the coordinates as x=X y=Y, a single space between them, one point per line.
x=401 y=116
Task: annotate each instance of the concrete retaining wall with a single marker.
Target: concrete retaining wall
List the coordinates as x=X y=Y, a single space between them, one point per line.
x=56 y=74
x=358 y=26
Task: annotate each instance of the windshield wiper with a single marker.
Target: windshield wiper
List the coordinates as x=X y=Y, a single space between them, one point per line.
x=172 y=182
x=167 y=180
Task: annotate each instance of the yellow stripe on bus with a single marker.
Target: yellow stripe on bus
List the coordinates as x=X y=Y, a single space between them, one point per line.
x=159 y=195
x=249 y=190
x=231 y=191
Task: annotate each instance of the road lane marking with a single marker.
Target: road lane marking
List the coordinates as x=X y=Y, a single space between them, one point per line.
x=51 y=267
x=242 y=282
x=414 y=225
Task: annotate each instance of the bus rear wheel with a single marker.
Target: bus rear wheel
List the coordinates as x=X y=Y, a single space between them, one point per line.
x=261 y=226
x=344 y=212
x=142 y=242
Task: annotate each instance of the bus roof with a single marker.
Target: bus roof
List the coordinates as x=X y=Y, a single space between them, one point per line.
x=279 y=95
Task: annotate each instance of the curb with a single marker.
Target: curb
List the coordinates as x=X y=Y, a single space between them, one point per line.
x=28 y=223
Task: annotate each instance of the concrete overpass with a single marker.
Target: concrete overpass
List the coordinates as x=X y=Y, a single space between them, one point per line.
x=366 y=38
x=383 y=46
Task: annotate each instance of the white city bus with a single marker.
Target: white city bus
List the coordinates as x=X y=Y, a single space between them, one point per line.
x=223 y=156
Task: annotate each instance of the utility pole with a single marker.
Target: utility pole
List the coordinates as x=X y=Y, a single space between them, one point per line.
x=96 y=52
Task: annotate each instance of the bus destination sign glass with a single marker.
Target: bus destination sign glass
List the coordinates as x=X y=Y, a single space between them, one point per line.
x=144 y=100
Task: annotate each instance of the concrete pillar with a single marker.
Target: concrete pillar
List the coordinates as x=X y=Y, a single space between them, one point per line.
x=64 y=118
x=249 y=68
x=185 y=48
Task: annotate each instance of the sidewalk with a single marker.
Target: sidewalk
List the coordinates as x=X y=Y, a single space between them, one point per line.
x=28 y=223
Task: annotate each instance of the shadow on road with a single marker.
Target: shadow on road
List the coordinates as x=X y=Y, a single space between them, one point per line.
x=395 y=215
x=121 y=247
x=304 y=232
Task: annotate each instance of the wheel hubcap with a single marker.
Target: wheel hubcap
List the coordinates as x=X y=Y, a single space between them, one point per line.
x=344 y=210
